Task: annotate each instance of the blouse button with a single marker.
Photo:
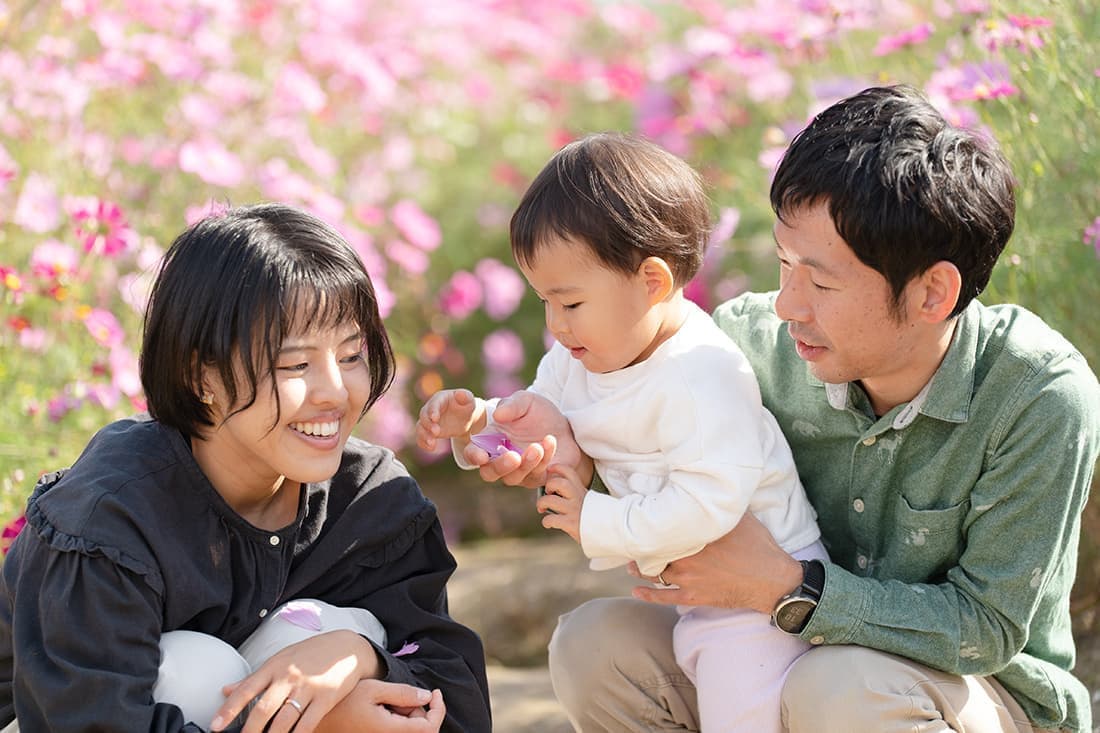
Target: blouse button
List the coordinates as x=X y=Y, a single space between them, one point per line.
x=274 y=540
x=869 y=441
x=263 y=612
x=817 y=640
x=858 y=505
x=862 y=562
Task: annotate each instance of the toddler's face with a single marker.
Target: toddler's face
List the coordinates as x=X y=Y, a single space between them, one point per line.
x=602 y=316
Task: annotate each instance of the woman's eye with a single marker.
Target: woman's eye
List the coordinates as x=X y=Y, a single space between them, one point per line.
x=571 y=306
x=293 y=367
x=353 y=359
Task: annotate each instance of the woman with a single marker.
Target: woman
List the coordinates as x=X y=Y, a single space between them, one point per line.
x=193 y=527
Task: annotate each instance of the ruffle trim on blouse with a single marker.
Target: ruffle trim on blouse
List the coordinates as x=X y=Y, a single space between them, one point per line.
x=65 y=542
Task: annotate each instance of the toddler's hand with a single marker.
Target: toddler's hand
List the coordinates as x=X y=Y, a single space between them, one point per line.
x=449 y=413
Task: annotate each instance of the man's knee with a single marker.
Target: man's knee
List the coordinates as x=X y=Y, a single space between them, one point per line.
x=604 y=638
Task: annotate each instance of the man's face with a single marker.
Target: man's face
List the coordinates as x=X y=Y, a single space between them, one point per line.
x=841 y=313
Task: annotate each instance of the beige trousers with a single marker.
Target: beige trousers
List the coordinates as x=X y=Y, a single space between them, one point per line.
x=613 y=669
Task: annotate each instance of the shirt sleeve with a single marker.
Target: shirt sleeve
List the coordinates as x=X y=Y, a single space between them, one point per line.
x=1017 y=537
x=85 y=643
x=711 y=439
x=411 y=603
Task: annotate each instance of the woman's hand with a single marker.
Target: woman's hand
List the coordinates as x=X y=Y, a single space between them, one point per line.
x=299 y=685
x=386 y=707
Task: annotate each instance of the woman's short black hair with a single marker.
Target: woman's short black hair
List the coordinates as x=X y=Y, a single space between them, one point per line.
x=623 y=197
x=230 y=289
x=904 y=188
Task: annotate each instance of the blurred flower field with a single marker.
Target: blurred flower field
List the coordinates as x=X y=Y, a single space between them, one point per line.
x=413 y=126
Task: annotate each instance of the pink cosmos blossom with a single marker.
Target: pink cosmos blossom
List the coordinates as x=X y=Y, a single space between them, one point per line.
x=297 y=90
x=104 y=327
x=1092 y=235
x=898 y=41
x=53 y=260
x=100 y=227
x=972 y=82
x=502 y=288
x=388 y=423
x=62 y=404
x=193 y=214
x=416 y=226
x=212 y=162
x=502 y=351
x=11 y=280
x=125 y=373
x=8 y=168
x=461 y=296
x=411 y=260
x=34 y=339
x=10 y=532
x=501 y=385
x=38 y=209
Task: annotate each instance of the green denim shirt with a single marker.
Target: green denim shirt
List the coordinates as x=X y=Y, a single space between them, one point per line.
x=952 y=521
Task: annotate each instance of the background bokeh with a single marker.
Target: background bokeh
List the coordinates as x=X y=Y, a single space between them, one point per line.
x=413 y=126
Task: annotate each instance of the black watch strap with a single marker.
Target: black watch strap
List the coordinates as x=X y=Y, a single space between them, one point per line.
x=813 y=578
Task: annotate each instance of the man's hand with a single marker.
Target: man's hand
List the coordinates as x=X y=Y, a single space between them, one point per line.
x=562 y=501
x=449 y=413
x=743 y=569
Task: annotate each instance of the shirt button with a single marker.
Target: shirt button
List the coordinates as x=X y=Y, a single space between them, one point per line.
x=862 y=562
x=274 y=540
x=858 y=505
x=869 y=441
x=263 y=612
x=817 y=640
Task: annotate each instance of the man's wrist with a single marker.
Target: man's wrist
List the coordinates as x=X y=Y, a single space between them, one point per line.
x=793 y=611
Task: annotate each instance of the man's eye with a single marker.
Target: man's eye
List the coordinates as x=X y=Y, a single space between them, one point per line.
x=571 y=306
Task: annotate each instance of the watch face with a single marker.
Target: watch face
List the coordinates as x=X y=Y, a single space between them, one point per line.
x=791 y=616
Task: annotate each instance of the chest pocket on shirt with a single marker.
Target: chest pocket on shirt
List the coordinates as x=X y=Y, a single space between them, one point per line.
x=926 y=542
x=622 y=483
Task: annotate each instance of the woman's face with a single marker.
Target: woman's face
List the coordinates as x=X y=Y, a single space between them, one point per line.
x=323 y=384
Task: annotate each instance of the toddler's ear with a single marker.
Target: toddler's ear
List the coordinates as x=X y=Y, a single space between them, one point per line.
x=658 y=277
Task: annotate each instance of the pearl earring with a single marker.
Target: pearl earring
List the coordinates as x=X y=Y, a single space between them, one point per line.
x=207 y=398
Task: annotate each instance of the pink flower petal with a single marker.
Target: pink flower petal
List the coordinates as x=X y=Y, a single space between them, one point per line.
x=495 y=444
x=302 y=613
x=409 y=648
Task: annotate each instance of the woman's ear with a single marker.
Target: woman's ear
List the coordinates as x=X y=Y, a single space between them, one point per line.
x=658 y=278
x=940 y=287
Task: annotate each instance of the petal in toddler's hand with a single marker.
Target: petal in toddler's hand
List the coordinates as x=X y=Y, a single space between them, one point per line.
x=495 y=444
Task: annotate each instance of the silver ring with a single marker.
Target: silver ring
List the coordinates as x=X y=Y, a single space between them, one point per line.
x=294 y=704
x=661 y=578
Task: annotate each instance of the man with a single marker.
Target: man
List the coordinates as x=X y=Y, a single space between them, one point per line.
x=947 y=447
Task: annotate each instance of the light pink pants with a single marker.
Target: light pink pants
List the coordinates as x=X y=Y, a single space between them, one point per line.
x=738 y=662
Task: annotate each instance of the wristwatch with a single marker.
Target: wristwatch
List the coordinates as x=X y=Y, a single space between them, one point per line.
x=793 y=611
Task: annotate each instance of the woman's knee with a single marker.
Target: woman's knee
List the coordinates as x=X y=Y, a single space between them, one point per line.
x=193 y=670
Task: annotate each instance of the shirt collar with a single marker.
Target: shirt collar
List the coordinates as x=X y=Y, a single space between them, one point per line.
x=947 y=395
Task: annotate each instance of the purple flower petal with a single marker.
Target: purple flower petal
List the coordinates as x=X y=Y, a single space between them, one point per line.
x=495 y=444
x=302 y=613
x=409 y=648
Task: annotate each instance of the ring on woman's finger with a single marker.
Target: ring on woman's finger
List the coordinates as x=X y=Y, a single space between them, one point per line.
x=661 y=578
x=294 y=704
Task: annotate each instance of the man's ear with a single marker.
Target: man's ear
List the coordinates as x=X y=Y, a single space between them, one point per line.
x=658 y=278
x=940 y=286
